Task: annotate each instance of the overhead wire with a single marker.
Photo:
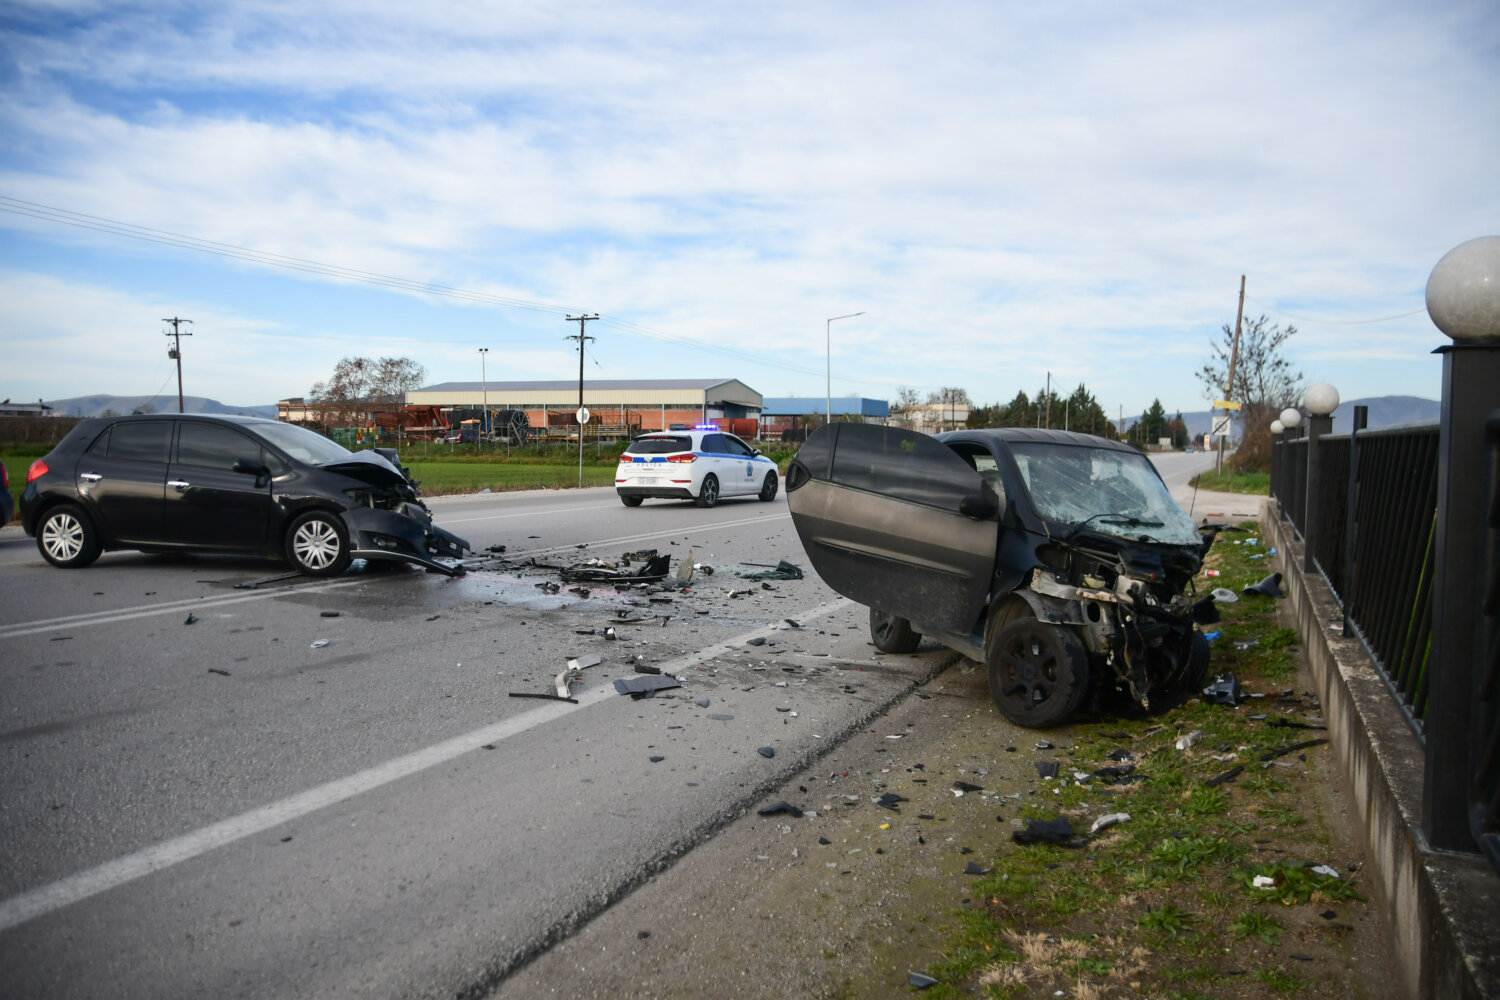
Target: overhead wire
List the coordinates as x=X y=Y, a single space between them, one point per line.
x=1336 y=322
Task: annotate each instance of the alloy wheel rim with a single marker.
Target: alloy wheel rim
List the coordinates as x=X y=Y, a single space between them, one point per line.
x=316 y=544
x=63 y=536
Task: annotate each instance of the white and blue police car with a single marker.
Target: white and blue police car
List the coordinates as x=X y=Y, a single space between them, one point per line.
x=702 y=465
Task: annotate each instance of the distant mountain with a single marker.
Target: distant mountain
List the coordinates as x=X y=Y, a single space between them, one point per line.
x=1385 y=411
x=93 y=406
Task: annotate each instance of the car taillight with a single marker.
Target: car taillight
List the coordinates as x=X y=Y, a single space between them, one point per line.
x=38 y=470
x=681 y=458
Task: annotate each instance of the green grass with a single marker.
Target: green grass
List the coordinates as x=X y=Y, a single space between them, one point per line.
x=1177 y=880
x=1229 y=481
x=438 y=478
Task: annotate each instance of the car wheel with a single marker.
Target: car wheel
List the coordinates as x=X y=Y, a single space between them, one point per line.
x=631 y=501
x=1038 y=673
x=891 y=634
x=768 y=488
x=708 y=495
x=67 y=538
x=317 y=545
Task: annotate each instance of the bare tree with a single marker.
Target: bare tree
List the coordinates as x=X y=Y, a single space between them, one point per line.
x=359 y=385
x=1264 y=383
x=908 y=401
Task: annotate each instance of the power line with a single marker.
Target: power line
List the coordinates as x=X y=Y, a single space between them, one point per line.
x=1338 y=322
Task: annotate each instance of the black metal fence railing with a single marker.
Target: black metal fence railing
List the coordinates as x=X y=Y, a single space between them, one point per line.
x=1484 y=789
x=1379 y=562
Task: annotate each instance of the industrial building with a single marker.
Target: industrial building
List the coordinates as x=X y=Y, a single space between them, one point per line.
x=616 y=406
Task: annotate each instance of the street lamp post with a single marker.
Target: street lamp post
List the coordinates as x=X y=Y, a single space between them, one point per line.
x=1321 y=400
x=485 y=389
x=828 y=347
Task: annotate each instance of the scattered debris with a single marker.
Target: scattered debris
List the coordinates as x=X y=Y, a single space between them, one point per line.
x=965 y=786
x=1046 y=769
x=645 y=687
x=318 y=643
x=1225 y=690
x=783 y=570
x=1049 y=831
x=890 y=800
x=191 y=619
x=1186 y=742
x=329 y=614
x=1106 y=821
x=1225 y=595
x=1229 y=775
x=1269 y=587
x=1263 y=882
x=1283 y=751
x=542 y=696
x=920 y=980
x=767 y=752
x=601 y=571
x=216 y=670
x=781 y=807
x=973 y=869
x=657 y=759
x=1328 y=870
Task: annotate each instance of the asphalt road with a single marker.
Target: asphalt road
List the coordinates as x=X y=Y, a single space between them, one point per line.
x=326 y=789
x=234 y=808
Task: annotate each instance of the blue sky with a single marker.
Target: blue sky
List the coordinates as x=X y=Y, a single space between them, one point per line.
x=1003 y=189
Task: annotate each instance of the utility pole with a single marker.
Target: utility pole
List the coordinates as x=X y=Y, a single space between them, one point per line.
x=175 y=352
x=1234 y=351
x=581 y=337
x=1049 y=400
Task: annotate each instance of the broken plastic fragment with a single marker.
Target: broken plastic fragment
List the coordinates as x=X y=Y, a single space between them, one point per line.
x=919 y=980
x=1191 y=738
x=781 y=807
x=645 y=687
x=1108 y=820
x=657 y=759
x=1049 y=831
x=1046 y=768
x=1269 y=587
x=766 y=752
x=319 y=643
x=973 y=869
x=1225 y=690
x=1263 y=882
x=965 y=786
x=191 y=619
x=1326 y=870
x=1226 y=595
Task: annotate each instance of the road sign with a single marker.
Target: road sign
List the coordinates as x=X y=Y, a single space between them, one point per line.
x=1221 y=426
x=582 y=414
x=1224 y=404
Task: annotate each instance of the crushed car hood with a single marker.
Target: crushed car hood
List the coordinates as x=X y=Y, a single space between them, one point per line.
x=368 y=467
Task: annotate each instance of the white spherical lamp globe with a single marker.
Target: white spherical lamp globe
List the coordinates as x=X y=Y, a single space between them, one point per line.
x=1277 y=427
x=1463 y=291
x=1290 y=417
x=1321 y=399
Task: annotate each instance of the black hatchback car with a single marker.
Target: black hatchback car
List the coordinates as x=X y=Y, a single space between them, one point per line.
x=1057 y=559
x=206 y=483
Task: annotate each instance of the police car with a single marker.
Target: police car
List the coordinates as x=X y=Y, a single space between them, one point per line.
x=702 y=465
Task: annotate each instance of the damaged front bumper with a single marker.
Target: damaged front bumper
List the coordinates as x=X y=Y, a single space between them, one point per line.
x=408 y=536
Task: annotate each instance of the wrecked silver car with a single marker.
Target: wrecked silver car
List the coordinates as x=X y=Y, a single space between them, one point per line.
x=208 y=483
x=1057 y=559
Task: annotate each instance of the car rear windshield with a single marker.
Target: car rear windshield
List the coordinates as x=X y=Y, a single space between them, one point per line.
x=659 y=445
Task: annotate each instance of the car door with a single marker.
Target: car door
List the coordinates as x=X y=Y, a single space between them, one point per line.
x=121 y=479
x=895 y=520
x=715 y=452
x=740 y=472
x=209 y=504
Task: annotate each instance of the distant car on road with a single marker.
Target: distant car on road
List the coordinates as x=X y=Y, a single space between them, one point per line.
x=702 y=465
x=204 y=483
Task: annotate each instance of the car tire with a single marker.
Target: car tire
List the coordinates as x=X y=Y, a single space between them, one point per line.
x=317 y=544
x=1038 y=673
x=631 y=501
x=708 y=493
x=891 y=634
x=67 y=538
x=768 y=488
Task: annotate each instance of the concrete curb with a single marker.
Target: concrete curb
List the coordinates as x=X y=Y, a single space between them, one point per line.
x=1444 y=907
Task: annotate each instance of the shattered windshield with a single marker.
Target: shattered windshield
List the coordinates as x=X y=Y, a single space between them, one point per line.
x=1111 y=492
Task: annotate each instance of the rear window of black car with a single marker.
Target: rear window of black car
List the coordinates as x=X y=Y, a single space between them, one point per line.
x=138 y=442
x=911 y=467
x=659 y=445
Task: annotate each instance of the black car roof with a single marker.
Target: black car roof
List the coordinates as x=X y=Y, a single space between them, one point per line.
x=1036 y=435
x=230 y=418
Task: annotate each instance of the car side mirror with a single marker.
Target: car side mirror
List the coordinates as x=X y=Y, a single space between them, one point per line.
x=979 y=507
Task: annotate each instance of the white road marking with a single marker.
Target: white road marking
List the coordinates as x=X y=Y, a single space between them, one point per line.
x=64 y=892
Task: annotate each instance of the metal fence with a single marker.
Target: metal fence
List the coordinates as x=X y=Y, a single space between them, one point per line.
x=1373 y=526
